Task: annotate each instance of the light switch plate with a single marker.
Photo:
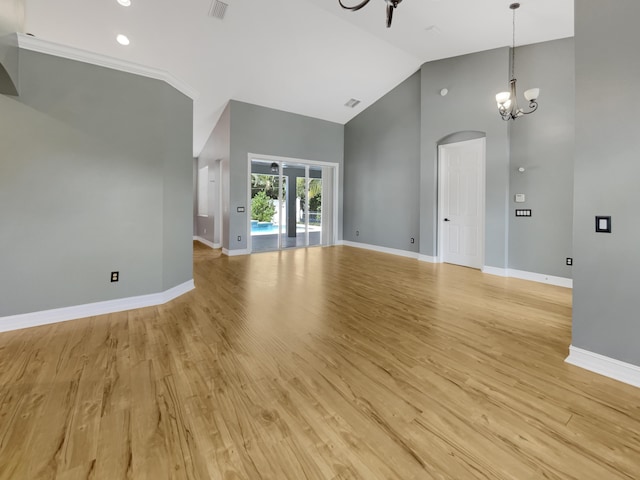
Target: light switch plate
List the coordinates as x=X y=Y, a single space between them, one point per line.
x=520 y=198
x=603 y=224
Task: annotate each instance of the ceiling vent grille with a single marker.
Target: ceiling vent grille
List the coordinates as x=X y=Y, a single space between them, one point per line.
x=218 y=9
x=352 y=103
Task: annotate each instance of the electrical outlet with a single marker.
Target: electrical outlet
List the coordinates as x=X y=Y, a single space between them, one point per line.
x=115 y=276
x=239 y=238
x=569 y=261
x=205 y=230
x=413 y=240
x=357 y=233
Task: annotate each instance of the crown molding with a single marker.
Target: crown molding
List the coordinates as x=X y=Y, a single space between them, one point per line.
x=34 y=44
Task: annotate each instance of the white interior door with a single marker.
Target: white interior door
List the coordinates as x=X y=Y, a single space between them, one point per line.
x=461 y=202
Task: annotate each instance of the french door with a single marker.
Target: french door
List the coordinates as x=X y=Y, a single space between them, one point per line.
x=291 y=204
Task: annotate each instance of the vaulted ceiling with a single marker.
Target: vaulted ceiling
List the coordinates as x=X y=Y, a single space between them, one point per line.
x=302 y=56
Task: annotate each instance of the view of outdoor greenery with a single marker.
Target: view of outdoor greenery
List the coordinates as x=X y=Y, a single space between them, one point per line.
x=262 y=207
x=264 y=191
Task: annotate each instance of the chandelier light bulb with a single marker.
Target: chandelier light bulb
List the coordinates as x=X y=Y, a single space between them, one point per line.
x=502 y=98
x=532 y=94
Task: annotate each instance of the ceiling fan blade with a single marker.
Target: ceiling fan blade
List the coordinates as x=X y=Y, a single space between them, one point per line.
x=357 y=7
x=390 y=8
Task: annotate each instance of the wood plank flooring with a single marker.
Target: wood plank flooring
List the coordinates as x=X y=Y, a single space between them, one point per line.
x=326 y=363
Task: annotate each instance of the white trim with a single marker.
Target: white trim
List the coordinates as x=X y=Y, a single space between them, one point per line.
x=45 y=317
x=304 y=161
x=609 y=367
x=482 y=191
x=206 y=242
x=500 y=272
x=376 y=248
x=531 y=276
x=542 y=278
x=428 y=259
x=235 y=253
x=301 y=161
x=27 y=42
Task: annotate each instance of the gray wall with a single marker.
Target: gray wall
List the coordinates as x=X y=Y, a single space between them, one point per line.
x=11 y=16
x=11 y=21
x=607 y=169
x=472 y=81
x=381 y=145
x=265 y=131
x=217 y=148
x=176 y=112
x=543 y=144
x=381 y=181
x=95 y=176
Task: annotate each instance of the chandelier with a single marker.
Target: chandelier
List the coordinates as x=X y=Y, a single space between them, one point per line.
x=391 y=4
x=507 y=101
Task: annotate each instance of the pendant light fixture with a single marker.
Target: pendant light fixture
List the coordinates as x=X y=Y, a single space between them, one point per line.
x=508 y=101
x=391 y=5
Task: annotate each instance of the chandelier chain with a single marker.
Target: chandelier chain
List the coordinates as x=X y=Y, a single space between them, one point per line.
x=513 y=45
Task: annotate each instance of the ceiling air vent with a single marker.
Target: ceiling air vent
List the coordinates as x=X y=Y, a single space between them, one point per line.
x=218 y=9
x=352 y=103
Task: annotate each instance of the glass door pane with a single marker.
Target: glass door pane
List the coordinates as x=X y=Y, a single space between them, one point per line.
x=314 y=218
x=293 y=233
x=291 y=205
x=265 y=181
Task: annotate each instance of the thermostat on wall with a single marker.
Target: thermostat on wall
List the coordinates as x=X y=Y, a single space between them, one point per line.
x=520 y=198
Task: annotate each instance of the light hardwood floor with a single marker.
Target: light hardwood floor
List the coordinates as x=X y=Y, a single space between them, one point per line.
x=332 y=363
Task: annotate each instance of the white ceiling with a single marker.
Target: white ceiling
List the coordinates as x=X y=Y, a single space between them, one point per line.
x=303 y=56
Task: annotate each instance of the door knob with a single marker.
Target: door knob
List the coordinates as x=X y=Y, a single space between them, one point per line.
x=447 y=220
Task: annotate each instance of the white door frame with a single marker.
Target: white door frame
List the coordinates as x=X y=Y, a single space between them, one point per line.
x=482 y=142
x=274 y=158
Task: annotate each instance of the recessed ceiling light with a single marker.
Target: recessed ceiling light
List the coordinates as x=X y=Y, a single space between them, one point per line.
x=122 y=39
x=124 y=3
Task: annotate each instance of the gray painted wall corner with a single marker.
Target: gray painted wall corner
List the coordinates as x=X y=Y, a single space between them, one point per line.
x=543 y=144
x=216 y=149
x=266 y=131
x=82 y=186
x=381 y=166
x=606 y=172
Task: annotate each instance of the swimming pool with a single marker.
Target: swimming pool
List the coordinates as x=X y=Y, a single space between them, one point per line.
x=268 y=228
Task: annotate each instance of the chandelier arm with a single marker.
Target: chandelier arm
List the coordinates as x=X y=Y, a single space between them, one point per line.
x=353 y=9
x=533 y=105
x=390 y=8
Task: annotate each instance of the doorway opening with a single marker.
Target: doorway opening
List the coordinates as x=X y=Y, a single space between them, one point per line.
x=461 y=202
x=291 y=203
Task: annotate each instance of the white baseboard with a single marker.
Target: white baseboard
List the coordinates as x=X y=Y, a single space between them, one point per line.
x=500 y=272
x=45 y=317
x=376 y=248
x=206 y=242
x=609 y=367
x=428 y=259
x=532 y=276
x=542 y=278
x=235 y=253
